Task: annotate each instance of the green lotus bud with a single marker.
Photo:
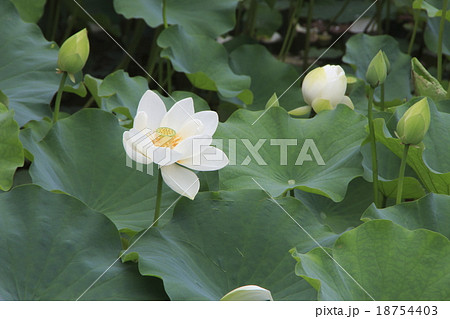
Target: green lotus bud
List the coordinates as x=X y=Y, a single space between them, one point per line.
x=74 y=53
x=377 y=70
x=414 y=124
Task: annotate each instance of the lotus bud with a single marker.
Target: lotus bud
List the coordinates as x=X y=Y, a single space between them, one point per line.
x=377 y=70
x=414 y=124
x=74 y=53
x=248 y=293
x=425 y=84
x=324 y=88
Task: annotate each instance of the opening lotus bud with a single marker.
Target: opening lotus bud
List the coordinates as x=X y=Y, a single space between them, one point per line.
x=324 y=88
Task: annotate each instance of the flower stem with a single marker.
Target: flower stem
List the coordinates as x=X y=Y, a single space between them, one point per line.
x=308 y=34
x=382 y=96
x=388 y=16
x=136 y=36
x=290 y=34
x=164 y=14
x=251 y=17
x=401 y=175
x=58 y=97
x=373 y=147
x=416 y=25
x=379 y=16
x=340 y=12
x=158 y=199
x=153 y=53
x=441 y=34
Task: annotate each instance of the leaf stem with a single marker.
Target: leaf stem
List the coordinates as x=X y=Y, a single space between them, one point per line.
x=55 y=20
x=441 y=34
x=382 y=96
x=416 y=25
x=401 y=175
x=58 y=97
x=158 y=199
x=164 y=14
x=373 y=147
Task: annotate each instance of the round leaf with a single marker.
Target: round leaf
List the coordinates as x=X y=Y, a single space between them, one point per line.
x=268 y=76
x=83 y=156
x=225 y=240
x=331 y=140
x=205 y=63
x=430 y=212
x=212 y=19
x=388 y=261
x=10 y=148
x=26 y=58
x=345 y=214
x=53 y=247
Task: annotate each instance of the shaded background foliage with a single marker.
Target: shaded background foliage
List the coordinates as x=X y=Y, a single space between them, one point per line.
x=70 y=204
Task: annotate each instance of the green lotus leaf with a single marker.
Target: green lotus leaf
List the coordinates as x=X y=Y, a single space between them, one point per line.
x=385 y=262
x=20 y=70
x=118 y=89
x=323 y=156
x=224 y=240
x=11 y=149
x=212 y=18
x=205 y=63
x=30 y=10
x=53 y=247
x=268 y=75
x=345 y=214
x=83 y=156
x=431 y=35
x=432 y=7
x=430 y=212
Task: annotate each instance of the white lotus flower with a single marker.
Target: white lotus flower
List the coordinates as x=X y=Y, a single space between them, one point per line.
x=248 y=293
x=324 y=88
x=175 y=140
